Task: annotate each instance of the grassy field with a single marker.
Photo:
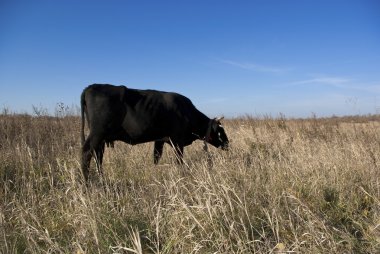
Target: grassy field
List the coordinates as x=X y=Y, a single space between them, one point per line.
x=303 y=186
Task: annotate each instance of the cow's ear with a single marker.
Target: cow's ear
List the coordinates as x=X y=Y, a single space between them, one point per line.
x=216 y=123
x=218 y=119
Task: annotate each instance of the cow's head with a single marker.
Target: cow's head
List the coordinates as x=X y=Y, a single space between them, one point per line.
x=217 y=136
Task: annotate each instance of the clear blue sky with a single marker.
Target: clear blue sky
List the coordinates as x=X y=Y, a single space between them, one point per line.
x=229 y=57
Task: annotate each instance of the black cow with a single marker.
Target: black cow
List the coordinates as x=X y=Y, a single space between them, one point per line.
x=138 y=116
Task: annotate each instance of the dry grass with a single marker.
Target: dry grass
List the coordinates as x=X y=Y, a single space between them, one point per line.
x=304 y=186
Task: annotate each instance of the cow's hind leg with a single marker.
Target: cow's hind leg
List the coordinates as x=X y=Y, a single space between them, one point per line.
x=91 y=146
x=86 y=158
x=157 y=153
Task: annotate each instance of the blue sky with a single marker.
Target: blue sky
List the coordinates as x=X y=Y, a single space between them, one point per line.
x=229 y=57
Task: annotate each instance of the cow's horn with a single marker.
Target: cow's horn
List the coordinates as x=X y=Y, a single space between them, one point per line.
x=219 y=118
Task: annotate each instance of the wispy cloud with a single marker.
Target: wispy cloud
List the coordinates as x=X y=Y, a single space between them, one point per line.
x=366 y=87
x=340 y=82
x=257 y=67
x=373 y=88
x=333 y=81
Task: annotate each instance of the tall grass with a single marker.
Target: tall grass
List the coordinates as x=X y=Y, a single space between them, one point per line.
x=305 y=186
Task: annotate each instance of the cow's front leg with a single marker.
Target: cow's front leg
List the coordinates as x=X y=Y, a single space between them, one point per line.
x=157 y=153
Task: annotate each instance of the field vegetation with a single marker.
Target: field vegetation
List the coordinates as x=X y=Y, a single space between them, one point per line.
x=285 y=186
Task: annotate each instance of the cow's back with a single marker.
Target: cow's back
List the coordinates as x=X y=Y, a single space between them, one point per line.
x=155 y=114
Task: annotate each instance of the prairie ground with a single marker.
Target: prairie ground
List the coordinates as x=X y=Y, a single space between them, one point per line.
x=285 y=185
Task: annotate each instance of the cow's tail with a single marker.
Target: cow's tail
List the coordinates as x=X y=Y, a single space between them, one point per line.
x=82 y=106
